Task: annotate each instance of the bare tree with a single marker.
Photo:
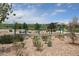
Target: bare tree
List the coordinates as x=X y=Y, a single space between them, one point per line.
x=72 y=26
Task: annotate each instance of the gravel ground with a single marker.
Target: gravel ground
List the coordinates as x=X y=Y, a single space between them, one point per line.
x=59 y=48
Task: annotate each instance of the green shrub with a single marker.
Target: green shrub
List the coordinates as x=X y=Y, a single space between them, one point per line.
x=6 y=39
x=18 y=38
x=37 y=43
x=35 y=40
x=49 y=44
x=76 y=30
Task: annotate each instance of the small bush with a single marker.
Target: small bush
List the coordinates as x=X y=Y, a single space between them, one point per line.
x=35 y=40
x=18 y=38
x=49 y=44
x=37 y=43
x=6 y=39
x=10 y=30
x=76 y=30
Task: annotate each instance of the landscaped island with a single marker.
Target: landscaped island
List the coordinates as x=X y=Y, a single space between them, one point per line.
x=32 y=30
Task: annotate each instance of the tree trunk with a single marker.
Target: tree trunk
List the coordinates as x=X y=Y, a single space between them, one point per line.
x=14 y=33
x=25 y=32
x=51 y=31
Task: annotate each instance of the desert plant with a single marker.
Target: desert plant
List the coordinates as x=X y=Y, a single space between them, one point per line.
x=35 y=39
x=49 y=44
x=37 y=43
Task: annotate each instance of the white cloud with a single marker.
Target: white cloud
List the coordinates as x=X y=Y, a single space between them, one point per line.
x=21 y=15
x=44 y=14
x=69 y=6
x=33 y=5
x=55 y=12
x=31 y=15
x=28 y=16
x=60 y=10
x=58 y=4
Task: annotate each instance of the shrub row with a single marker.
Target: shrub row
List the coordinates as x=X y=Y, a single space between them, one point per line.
x=6 y=39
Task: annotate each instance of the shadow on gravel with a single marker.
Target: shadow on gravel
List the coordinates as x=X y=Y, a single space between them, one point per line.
x=74 y=44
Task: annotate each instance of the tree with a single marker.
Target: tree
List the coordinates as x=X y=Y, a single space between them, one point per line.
x=52 y=27
x=15 y=29
x=37 y=27
x=75 y=22
x=62 y=27
x=72 y=26
x=25 y=27
x=5 y=10
x=19 y=26
x=15 y=26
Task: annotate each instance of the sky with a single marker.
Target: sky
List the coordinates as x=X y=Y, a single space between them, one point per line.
x=43 y=13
